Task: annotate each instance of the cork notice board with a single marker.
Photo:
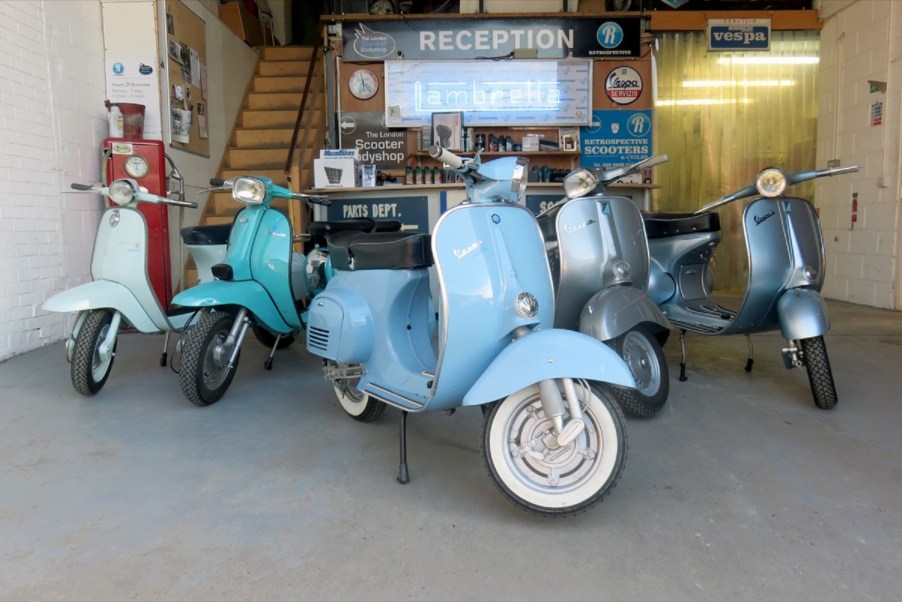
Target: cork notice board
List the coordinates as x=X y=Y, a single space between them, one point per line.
x=186 y=50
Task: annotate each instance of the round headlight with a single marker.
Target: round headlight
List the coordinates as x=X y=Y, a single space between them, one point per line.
x=579 y=183
x=122 y=192
x=136 y=166
x=527 y=305
x=249 y=190
x=771 y=182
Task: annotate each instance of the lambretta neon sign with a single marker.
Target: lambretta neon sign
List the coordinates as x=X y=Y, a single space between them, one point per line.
x=536 y=92
x=523 y=95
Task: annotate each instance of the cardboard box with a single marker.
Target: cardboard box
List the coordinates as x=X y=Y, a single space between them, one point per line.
x=531 y=142
x=336 y=168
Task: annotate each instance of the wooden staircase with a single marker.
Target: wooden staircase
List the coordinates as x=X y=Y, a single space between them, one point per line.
x=261 y=137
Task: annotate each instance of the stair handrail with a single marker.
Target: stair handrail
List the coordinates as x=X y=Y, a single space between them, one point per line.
x=297 y=123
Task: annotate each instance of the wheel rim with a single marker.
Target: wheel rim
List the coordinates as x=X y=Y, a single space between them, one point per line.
x=643 y=363
x=353 y=401
x=533 y=456
x=216 y=360
x=99 y=364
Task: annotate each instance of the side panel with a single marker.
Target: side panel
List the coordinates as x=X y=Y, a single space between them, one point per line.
x=485 y=256
x=546 y=355
x=615 y=310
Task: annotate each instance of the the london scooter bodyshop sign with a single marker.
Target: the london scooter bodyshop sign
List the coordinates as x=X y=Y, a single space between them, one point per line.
x=490 y=38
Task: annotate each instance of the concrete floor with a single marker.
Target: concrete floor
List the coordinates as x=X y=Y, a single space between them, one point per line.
x=739 y=489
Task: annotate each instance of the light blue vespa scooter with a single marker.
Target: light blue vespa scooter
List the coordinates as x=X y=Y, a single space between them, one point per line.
x=553 y=445
x=259 y=285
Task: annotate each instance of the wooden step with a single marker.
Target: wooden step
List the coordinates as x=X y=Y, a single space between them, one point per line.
x=276 y=175
x=285 y=83
x=222 y=203
x=270 y=101
x=278 y=68
x=257 y=158
x=287 y=53
x=268 y=119
x=263 y=138
x=212 y=220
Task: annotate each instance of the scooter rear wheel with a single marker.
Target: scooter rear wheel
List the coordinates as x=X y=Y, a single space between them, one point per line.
x=820 y=376
x=205 y=375
x=88 y=370
x=642 y=353
x=542 y=477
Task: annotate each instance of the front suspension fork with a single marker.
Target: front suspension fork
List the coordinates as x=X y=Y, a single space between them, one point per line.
x=236 y=336
x=553 y=406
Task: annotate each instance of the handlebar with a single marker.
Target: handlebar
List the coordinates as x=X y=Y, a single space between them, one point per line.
x=445 y=156
x=81 y=186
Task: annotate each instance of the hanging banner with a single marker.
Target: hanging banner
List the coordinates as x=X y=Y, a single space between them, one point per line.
x=616 y=137
x=592 y=37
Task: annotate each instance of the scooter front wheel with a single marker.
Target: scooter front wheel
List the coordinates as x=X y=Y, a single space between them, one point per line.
x=642 y=353
x=205 y=374
x=532 y=470
x=820 y=376
x=90 y=368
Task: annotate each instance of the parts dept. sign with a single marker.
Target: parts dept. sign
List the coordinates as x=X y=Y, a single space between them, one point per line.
x=411 y=211
x=616 y=137
x=374 y=143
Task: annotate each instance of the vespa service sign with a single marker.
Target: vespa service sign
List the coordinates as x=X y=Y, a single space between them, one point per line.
x=738 y=34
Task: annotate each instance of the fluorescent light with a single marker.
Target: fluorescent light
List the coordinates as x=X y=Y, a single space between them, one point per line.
x=745 y=83
x=702 y=102
x=769 y=60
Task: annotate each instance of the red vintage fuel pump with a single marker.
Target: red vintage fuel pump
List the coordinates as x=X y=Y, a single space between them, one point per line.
x=144 y=161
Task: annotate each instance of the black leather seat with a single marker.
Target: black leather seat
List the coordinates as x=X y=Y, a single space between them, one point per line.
x=365 y=224
x=217 y=234
x=351 y=250
x=662 y=225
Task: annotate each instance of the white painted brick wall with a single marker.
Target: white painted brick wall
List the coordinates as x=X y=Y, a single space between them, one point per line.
x=857 y=43
x=52 y=122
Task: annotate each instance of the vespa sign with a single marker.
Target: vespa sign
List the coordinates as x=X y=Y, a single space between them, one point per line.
x=738 y=34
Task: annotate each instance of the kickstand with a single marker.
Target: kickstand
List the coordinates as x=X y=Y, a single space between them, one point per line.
x=750 y=360
x=683 y=376
x=165 y=357
x=268 y=363
x=403 y=474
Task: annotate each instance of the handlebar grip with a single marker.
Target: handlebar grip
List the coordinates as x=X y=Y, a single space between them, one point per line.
x=81 y=186
x=189 y=204
x=217 y=182
x=445 y=156
x=835 y=171
x=656 y=160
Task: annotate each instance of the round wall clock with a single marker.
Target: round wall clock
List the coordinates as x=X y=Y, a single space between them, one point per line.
x=363 y=84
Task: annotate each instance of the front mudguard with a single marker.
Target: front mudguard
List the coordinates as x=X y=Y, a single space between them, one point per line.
x=802 y=313
x=614 y=311
x=548 y=354
x=246 y=293
x=105 y=294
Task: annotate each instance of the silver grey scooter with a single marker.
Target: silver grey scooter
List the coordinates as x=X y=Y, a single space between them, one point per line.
x=598 y=254
x=786 y=273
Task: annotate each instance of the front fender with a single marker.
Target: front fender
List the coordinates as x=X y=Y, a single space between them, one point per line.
x=105 y=294
x=802 y=314
x=246 y=293
x=615 y=310
x=547 y=354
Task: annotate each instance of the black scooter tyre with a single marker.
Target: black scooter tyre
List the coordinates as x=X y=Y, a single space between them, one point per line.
x=88 y=373
x=820 y=376
x=643 y=355
x=202 y=380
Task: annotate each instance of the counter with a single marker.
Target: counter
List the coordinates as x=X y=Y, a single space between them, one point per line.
x=418 y=207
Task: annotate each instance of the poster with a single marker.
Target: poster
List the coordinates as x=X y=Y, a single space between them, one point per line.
x=135 y=81
x=616 y=137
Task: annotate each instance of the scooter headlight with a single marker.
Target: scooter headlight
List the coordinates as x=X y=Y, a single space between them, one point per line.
x=579 y=183
x=771 y=182
x=122 y=192
x=527 y=305
x=518 y=180
x=250 y=191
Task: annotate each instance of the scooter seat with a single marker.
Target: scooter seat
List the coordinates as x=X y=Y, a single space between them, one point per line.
x=217 y=234
x=351 y=250
x=324 y=229
x=662 y=225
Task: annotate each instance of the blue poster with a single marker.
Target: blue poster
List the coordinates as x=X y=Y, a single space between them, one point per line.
x=411 y=211
x=537 y=203
x=616 y=137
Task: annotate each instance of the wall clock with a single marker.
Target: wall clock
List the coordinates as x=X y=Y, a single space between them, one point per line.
x=363 y=84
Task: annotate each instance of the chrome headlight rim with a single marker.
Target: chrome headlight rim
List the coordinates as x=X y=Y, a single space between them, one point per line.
x=122 y=192
x=248 y=190
x=579 y=182
x=770 y=182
